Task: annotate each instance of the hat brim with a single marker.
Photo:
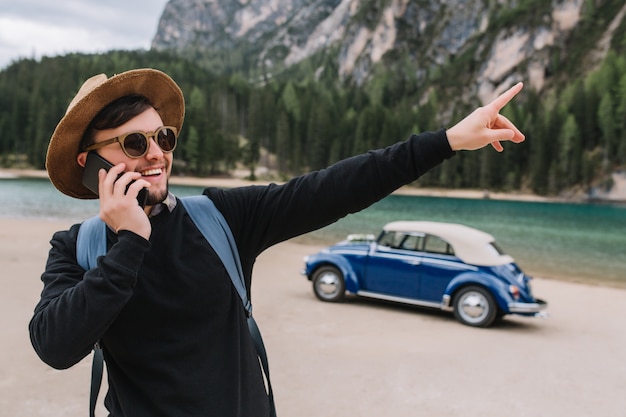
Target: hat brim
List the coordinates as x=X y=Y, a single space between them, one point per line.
x=61 y=160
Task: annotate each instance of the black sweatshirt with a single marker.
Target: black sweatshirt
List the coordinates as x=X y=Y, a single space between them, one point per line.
x=171 y=324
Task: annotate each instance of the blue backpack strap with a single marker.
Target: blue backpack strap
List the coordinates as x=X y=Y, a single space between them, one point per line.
x=91 y=242
x=97 y=370
x=213 y=226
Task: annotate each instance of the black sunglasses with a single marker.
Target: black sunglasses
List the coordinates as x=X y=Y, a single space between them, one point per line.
x=136 y=144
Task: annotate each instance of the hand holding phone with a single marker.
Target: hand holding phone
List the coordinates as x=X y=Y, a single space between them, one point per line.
x=93 y=165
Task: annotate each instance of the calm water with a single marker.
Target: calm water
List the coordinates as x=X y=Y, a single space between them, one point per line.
x=575 y=241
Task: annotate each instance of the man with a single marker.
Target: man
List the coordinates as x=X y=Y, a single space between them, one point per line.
x=172 y=326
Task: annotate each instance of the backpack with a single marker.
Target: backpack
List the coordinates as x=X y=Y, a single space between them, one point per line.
x=91 y=243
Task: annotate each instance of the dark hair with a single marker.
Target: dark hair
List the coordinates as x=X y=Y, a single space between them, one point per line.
x=115 y=114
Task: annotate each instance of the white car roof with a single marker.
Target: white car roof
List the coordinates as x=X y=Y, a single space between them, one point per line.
x=471 y=245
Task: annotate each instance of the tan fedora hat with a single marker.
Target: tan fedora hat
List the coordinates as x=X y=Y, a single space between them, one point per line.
x=96 y=93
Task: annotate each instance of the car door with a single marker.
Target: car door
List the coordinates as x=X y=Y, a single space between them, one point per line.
x=438 y=267
x=393 y=266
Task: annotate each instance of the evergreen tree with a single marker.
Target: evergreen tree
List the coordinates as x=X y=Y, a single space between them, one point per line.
x=568 y=160
x=607 y=126
x=621 y=120
x=191 y=149
x=283 y=135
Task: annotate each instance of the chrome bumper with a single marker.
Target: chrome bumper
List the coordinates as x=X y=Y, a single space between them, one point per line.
x=536 y=309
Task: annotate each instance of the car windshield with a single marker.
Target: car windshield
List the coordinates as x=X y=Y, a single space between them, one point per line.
x=391 y=239
x=495 y=248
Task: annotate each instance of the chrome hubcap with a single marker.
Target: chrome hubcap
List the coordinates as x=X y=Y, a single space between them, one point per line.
x=473 y=307
x=328 y=284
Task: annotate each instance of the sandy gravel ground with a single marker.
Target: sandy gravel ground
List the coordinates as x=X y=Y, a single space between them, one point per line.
x=359 y=358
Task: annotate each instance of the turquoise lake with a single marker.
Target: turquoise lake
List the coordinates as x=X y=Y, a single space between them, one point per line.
x=582 y=242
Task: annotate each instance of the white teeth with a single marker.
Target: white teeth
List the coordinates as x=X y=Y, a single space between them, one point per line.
x=151 y=172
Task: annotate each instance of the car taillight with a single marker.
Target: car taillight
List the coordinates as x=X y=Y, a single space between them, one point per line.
x=514 y=291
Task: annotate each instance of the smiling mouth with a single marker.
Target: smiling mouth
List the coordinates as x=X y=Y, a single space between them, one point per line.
x=151 y=172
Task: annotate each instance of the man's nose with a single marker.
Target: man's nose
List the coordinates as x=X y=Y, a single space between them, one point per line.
x=154 y=150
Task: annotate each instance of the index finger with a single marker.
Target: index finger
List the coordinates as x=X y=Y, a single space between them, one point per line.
x=504 y=98
x=113 y=174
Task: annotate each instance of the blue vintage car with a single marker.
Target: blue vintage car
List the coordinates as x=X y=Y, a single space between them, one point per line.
x=442 y=265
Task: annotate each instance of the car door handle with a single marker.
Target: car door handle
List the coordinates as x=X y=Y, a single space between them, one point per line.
x=414 y=262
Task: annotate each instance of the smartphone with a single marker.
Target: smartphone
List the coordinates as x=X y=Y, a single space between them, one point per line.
x=93 y=165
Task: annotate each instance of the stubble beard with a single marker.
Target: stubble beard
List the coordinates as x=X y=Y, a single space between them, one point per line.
x=157 y=197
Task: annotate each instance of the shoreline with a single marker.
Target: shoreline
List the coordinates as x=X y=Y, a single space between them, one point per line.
x=233 y=182
x=316 y=245
x=306 y=244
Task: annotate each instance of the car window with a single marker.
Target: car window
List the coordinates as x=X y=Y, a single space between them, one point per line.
x=412 y=242
x=435 y=244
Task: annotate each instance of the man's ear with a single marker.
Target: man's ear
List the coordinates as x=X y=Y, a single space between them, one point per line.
x=81 y=158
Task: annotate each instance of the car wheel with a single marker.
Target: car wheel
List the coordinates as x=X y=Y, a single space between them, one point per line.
x=328 y=284
x=475 y=306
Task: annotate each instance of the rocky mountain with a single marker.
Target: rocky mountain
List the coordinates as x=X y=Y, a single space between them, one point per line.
x=498 y=42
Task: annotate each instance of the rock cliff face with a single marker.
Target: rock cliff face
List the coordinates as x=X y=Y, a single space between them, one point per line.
x=358 y=34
